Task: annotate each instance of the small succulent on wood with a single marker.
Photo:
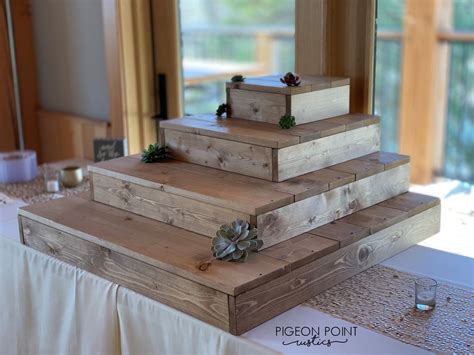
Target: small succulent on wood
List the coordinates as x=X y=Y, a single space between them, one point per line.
x=221 y=109
x=234 y=241
x=154 y=153
x=291 y=79
x=287 y=121
x=237 y=79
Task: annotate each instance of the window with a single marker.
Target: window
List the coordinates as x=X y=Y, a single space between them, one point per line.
x=221 y=38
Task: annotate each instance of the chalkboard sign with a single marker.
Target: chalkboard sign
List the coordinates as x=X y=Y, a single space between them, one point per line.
x=106 y=149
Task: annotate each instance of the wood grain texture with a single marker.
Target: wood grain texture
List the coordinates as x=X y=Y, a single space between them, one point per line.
x=196 y=182
x=389 y=160
x=174 y=210
x=202 y=302
x=332 y=177
x=64 y=136
x=342 y=232
x=360 y=168
x=411 y=202
x=266 y=134
x=327 y=151
x=237 y=130
x=318 y=105
x=257 y=106
x=302 y=249
x=376 y=218
x=302 y=216
x=264 y=302
x=242 y=158
x=354 y=120
x=169 y=248
x=272 y=83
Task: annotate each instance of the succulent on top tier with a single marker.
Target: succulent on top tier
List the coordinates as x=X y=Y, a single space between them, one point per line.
x=291 y=79
x=154 y=153
x=237 y=78
x=233 y=241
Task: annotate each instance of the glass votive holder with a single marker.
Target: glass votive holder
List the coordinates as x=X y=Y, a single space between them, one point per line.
x=425 y=293
x=51 y=179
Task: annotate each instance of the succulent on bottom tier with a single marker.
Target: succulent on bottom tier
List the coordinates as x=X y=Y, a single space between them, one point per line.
x=154 y=153
x=234 y=241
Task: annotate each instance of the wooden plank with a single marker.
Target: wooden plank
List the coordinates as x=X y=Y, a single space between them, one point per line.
x=318 y=105
x=315 y=130
x=266 y=301
x=360 y=168
x=332 y=177
x=169 y=248
x=354 y=120
x=327 y=151
x=272 y=83
x=234 y=130
x=389 y=160
x=207 y=186
x=343 y=233
x=376 y=218
x=199 y=301
x=65 y=136
x=257 y=106
x=242 y=158
x=174 y=210
x=411 y=202
x=300 y=187
x=302 y=216
x=301 y=249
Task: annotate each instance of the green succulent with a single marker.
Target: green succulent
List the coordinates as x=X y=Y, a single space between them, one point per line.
x=237 y=79
x=287 y=121
x=221 y=110
x=154 y=153
x=234 y=241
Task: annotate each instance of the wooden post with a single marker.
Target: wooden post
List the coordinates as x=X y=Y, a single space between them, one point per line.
x=337 y=38
x=420 y=86
x=167 y=46
x=129 y=53
x=8 y=133
x=26 y=67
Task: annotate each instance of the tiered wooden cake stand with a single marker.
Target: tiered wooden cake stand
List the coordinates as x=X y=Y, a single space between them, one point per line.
x=327 y=203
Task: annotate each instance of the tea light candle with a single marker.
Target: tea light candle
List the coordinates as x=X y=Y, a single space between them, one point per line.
x=52 y=186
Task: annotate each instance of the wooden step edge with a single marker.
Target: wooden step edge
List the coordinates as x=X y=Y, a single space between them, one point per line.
x=286 y=192
x=211 y=275
x=350 y=229
x=279 y=198
x=272 y=298
x=268 y=134
x=371 y=164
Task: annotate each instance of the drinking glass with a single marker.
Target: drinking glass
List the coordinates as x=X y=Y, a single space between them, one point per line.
x=425 y=293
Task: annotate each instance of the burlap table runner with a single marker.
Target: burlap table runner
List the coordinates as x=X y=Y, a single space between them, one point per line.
x=35 y=190
x=382 y=299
